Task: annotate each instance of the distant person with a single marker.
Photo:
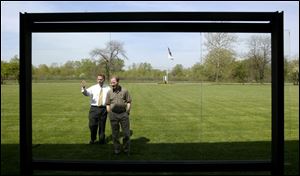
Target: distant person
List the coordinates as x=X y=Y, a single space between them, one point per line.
x=118 y=104
x=97 y=113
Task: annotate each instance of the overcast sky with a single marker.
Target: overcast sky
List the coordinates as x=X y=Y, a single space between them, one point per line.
x=141 y=47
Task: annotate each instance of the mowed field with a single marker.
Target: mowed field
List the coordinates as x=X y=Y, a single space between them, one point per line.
x=180 y=121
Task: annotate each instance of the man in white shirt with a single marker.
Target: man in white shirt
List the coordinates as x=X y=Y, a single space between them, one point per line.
x=97 y=113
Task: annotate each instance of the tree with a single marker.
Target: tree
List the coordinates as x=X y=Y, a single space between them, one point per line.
x=116 y=66
x=14 y=67
x=259 y=54
x=4 y=71
x=218 y=64
x=55 y=71
x=292 y=69
x=87 y=68
x=10 y=70
x=144 y=69
x=197 y=72
x=219 y=40
x=295 y=75
x=240 y=71
x=140 y=71
x=177 y=72
x=42 y=72
x=110 y=55
x=68 y=70
x=286 y=70
x=220 y=54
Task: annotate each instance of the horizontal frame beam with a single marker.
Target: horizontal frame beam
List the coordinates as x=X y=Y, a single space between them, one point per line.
x=152 y=27
x=153 y=16
x=154 y=166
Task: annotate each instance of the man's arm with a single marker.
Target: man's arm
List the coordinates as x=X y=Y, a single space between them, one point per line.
x=108 y=108
x=128 y=100
x=128 y=107
x=83 y=89
x=107 y=102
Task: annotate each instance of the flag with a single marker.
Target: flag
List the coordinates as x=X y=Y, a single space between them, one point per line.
x=170 y=54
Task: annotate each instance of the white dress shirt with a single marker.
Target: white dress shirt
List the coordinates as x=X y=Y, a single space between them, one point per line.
x=94 y=91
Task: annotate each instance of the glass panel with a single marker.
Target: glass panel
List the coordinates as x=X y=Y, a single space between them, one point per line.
x=291 y=108
x=195 y=96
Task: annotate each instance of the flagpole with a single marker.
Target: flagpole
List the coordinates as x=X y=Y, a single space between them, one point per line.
x=167 y=78
x=171 y=58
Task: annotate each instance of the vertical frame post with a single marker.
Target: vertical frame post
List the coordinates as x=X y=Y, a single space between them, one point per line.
x=277 y=95
x=25 y=96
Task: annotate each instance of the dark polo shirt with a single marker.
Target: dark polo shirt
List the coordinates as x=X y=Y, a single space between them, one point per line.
x=118 y=99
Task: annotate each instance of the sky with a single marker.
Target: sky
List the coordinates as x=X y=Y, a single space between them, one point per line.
x=187 y=48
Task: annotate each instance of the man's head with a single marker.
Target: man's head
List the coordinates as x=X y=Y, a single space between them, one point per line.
x=114 y=82
x=100 y=79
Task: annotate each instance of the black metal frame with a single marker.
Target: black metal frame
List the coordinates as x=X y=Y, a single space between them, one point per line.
x=260 y=22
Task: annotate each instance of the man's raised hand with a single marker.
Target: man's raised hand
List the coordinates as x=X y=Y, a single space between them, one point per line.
x=83 y=83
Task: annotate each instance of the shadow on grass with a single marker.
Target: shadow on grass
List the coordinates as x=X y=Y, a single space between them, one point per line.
x=142 y=149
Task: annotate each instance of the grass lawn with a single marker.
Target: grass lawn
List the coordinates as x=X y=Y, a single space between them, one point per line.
x=169 y=122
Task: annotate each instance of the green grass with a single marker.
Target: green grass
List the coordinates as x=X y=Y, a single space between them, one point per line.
x=169 y=122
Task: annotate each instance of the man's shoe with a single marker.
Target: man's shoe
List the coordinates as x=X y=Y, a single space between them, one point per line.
x=126 y=151
x=117 y=152
x=102 y=142
x=92 y=142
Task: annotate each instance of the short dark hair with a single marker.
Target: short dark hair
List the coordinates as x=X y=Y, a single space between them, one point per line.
x=116 y=77
x=102 y=75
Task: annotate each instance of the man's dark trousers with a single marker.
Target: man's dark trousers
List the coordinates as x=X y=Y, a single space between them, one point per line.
x=97 y=118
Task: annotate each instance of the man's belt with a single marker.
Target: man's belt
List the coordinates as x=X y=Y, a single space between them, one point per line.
x=99 y=106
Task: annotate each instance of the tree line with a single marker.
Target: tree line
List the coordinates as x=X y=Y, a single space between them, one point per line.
x=220 y=64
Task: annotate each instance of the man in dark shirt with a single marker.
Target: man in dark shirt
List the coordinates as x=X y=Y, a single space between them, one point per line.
x=118 y=104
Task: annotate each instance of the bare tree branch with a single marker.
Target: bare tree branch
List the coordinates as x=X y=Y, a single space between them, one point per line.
x=109 y=54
